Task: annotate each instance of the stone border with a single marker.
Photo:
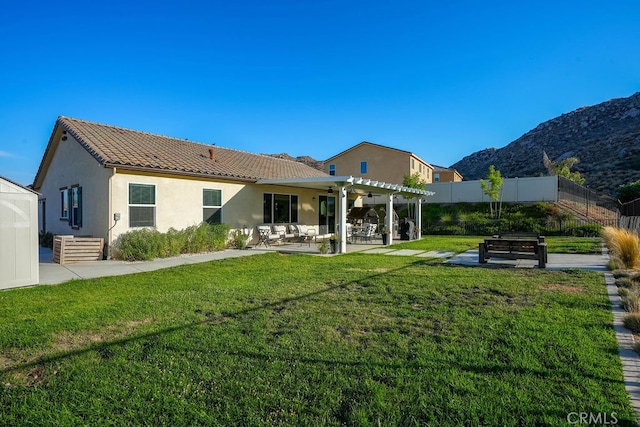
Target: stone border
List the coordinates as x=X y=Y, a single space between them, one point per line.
x=628 y=357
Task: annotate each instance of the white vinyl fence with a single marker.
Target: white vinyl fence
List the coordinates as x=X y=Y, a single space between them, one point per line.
x=531 y=189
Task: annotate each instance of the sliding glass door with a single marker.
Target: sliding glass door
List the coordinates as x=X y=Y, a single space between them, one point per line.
x=327 y=214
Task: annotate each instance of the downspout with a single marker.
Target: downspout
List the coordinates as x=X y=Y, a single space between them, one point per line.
x=110 y=230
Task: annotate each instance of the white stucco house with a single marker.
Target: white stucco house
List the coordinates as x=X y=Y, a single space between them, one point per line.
x=18 y=235
x=101 y=180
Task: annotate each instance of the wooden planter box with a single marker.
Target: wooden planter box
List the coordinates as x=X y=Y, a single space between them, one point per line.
x=69 y=249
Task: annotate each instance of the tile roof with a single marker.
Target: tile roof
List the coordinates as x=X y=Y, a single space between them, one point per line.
x=119 y=147
x=437 y=168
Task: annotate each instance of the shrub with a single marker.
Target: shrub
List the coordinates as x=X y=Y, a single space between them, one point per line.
x=632 y=322
x=195 y=238
x=446 y=217
x=631 y=302
x=628 y=192
x=147 y=244
x=219 y=236
x=139 y=245
x=618 y=274
x=624 y=282
x=46 y=240
x=588 y=230
x=205 y=237
x=624 y=244
x=238 y=240
x=174 y=242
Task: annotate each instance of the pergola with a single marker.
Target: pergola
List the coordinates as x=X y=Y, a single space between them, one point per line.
x=361 y=186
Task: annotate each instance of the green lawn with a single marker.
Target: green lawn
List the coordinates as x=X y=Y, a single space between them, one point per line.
x=304 y=340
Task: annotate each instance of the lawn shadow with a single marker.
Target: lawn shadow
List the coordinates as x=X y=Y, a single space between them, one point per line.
x=209 y=319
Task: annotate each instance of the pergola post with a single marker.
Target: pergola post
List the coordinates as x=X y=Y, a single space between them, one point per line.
x=419 y=217
x=342 y=215
x=389 y=218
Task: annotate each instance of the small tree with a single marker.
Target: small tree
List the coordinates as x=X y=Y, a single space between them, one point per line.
x=563 y=168
x=628 y=192
x=493 y=189
x=413 y=181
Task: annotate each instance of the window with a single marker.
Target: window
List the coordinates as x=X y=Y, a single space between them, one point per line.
x=436 y=177
x=142 y=205
x=420 y=167
x=212 y=206
x=75 y=213
x=332 y=169
x=64 y=203
x=279 y=208
x=413 y=163
x=363 y=167
x=71 y=205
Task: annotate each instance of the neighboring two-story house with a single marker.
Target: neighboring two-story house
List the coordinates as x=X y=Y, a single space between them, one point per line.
x=442 y=174
x=378 y=162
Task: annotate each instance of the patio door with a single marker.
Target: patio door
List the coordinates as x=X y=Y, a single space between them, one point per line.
x=326 y=214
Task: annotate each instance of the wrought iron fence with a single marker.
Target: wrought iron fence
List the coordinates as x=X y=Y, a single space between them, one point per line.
x=631 y=208
x=570 y=191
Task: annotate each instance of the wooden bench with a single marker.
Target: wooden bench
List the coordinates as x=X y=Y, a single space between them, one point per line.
x=513 y=248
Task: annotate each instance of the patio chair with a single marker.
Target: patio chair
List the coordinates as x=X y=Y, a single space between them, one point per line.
x=266 y=236
x=349 y=230
x=281 y=230
x=305 y=233
x=413 y=231
x=367 y=233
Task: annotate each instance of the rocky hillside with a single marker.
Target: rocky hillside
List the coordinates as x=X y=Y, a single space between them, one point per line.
x=605 y=137
x=309 y=161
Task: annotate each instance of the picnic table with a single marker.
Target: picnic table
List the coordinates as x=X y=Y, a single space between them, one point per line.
x=513 y=247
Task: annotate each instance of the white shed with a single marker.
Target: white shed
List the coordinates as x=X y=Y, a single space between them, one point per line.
x=19 y=263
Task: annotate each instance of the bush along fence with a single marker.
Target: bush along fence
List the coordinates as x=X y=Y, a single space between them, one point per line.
x=546 y=227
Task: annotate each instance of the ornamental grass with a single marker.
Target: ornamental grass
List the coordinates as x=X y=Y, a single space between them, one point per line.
x=624 y=245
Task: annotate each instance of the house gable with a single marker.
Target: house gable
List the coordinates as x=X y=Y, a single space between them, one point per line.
x=380 y=163
x=369 y=145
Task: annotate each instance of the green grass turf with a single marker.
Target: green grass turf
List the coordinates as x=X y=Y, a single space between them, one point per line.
x=304 y=340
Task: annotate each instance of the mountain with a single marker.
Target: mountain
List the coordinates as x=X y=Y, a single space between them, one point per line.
x=309 y=161
x=604 y=137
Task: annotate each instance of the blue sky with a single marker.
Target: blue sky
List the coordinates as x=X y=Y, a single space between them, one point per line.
x=440 y=79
